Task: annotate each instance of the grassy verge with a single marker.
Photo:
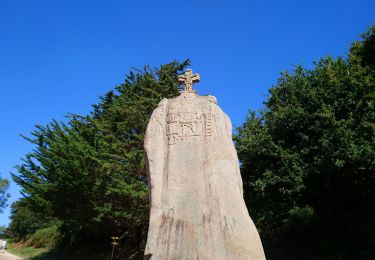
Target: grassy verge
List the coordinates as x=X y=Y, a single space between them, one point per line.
x=43 y=253
x=88 y=251
x=20 y=249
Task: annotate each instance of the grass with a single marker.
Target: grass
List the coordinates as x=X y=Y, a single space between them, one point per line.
x=33 y=253
x=88 y=251
x=20 y=249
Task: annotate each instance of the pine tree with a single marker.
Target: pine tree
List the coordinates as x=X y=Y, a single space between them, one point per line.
x=89 y=172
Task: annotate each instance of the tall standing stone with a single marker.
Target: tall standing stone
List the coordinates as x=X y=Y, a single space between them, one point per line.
x=196 y=195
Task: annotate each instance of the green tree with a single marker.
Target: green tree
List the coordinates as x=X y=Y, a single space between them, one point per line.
x=24 y=221
x=308 y=158
x=4 y=184
x=3 y=232
x=90 y=171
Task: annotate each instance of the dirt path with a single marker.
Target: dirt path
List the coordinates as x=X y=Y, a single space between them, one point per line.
x=9 y=256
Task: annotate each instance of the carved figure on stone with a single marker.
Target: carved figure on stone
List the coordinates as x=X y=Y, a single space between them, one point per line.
x=196 y=195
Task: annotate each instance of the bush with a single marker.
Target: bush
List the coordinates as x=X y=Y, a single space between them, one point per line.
x=45 y=237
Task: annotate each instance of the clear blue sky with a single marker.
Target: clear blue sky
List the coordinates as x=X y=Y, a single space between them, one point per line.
x=59 y=56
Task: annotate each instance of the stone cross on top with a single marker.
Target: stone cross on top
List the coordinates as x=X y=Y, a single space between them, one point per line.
x=188 y=78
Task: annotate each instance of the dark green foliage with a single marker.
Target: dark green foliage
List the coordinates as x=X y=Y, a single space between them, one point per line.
x=90 y=172
x=308 y=158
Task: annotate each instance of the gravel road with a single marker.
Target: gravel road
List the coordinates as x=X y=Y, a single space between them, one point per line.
x=9 y=256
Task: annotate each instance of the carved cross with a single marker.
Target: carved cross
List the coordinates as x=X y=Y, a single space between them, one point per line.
x=188 y=79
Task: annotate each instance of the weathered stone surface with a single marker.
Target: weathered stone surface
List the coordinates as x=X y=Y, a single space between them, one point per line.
x=196 y=195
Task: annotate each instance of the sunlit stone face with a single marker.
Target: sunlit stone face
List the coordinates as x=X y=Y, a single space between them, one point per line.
x=196 y=196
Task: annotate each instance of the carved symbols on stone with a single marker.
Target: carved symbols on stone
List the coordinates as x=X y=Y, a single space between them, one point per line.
x=189 y=119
